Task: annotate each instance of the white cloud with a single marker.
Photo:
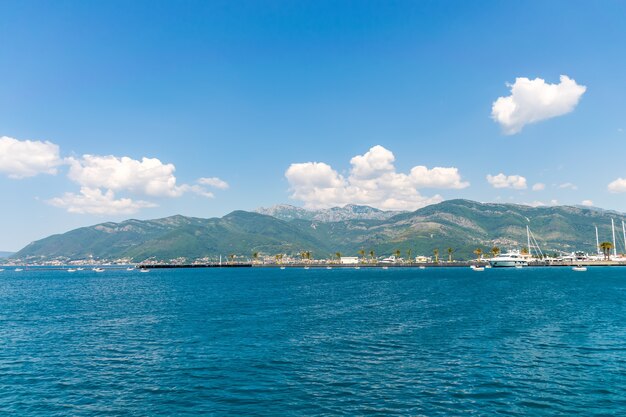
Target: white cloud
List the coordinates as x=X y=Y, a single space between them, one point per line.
x=539 y=186
x=568 y=186
x=535 y=203
x=149 y=176
x=26 y=158
x=102 y=177
x=214 y=182
x=94 y=201
x=507 y=181
x=535 y=100
x=372 y=181
x=587 y=203
x=617 y=186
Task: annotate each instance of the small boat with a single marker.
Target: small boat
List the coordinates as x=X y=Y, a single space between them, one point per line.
x=385 y=267
x=282 y=267
x=306 y=267
x=357 y=267
x=478 y=268
x=144 y=270
x=130 y=268
x=519 y=266
x=98 y=269
x=71 y=270
x=472 y=266
x=80 y=269
x=19 y=269
x=487 y=266
x=579 y=268
x=422 y=267
x=329 y=267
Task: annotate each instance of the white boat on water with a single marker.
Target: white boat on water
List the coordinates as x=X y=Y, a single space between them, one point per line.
x=282 y=267
x=385 y=267
x=144 y=270
x=357 y=267
x=510 y=259
x=478 y=268
x=329 y=267
x=19 y=269
x=306 y=267
x=130 y=268
x=579 y=268
x=80 y=269
x=98 y=269
x=71 y=270
x=422 y=267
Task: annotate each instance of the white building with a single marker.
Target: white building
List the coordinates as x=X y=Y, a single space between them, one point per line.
x=349 y=260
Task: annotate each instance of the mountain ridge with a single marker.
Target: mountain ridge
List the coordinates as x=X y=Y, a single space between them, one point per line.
x=462 y=225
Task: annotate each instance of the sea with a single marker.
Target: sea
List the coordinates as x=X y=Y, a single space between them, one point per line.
x=316 y=342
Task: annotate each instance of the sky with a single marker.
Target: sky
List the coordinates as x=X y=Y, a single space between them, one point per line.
x=115 y=110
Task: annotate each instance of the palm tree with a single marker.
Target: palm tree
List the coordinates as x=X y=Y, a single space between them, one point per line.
x=255 y=256
x=479 y=253
x=606 y=249
x=231 y=257
x=408 y=255
x=436 y=253
x=495 y=251
x=372 y=255
x=398 y=253
x=524 y=251
x=279 y=258
x=338 y=255
x=307 y=255
x=450 y=250
x=362 y=253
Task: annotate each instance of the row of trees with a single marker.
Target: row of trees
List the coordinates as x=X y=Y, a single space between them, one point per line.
x=495 y=251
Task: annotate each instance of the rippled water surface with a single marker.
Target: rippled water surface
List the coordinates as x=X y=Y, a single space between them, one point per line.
x=313 y=342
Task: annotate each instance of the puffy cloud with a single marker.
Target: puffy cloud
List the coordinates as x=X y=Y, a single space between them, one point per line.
x=507 y=181
x=148 y=176
x=26 y=158
x=568 y=186
x=101 y=177
x=535 y=100
x=214 y=182
x=372 y=181
x=94 y=201
x=618 y=186
x=539 y=186
x=587 y=203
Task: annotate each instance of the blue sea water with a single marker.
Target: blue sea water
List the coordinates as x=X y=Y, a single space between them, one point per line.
x=536 y=341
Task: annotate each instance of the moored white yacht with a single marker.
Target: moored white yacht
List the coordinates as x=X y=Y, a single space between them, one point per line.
x=509 y=259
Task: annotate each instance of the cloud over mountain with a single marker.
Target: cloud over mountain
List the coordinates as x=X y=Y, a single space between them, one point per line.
x=507 y=181
x=95 y=201
x=535 y=100
x=372 y=180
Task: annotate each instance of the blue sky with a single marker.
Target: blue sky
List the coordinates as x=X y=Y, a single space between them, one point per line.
x=240 y=91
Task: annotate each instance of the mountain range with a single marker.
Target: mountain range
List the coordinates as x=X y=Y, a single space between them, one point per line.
x=461 y=225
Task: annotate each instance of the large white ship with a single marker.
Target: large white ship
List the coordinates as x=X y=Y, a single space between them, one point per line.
x=509 y=259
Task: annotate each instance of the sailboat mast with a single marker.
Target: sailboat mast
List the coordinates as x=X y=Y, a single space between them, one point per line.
x=624 y=234
x=597 y=242
x=528 y=239
x=613 y=229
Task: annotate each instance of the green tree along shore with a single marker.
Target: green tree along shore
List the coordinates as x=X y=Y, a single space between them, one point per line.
x=454 y=227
